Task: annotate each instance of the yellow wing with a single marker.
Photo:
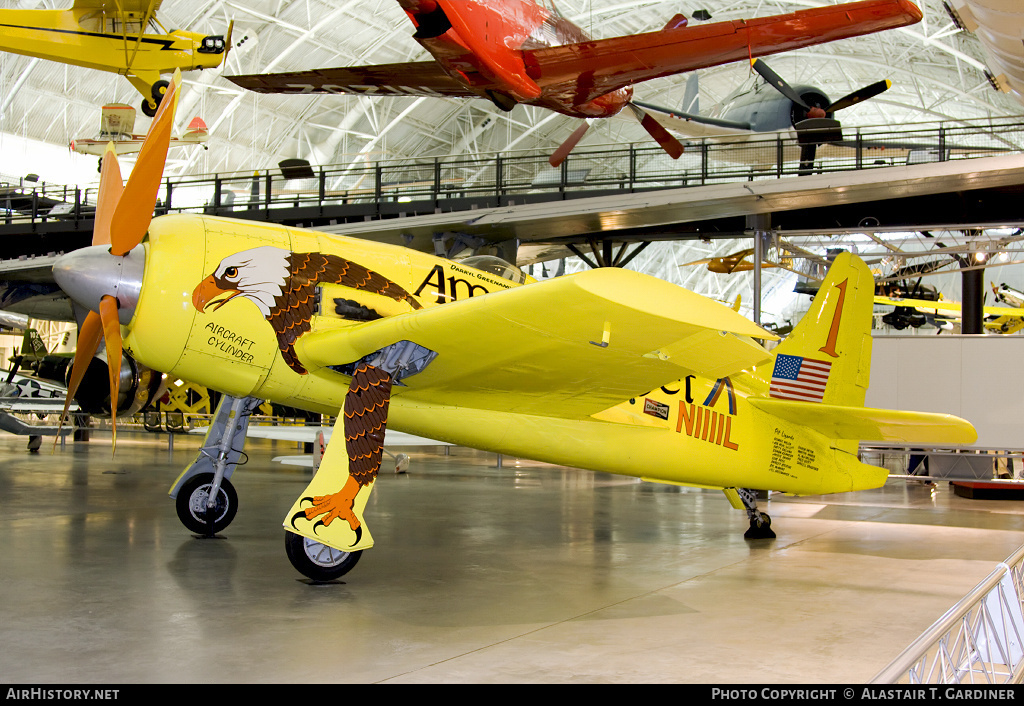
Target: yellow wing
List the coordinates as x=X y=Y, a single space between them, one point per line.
x=129 y=7
x=567 y=347
x=943 y=305
x=1006 y=324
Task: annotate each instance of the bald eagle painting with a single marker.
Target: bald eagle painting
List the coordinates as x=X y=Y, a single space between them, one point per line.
x=282 y=284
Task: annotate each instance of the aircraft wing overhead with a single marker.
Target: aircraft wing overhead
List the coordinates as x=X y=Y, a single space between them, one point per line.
x=134 y=7
x=423 y=78
x=568 y=347
x=593 y=68
x=943 y=305
x=694 y=125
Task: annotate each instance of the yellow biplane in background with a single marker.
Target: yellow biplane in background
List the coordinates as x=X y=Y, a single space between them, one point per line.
x=120 y=36
x=117 y=122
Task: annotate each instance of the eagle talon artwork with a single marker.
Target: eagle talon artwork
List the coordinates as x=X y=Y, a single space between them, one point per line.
x=333 y=506
x=644 y=378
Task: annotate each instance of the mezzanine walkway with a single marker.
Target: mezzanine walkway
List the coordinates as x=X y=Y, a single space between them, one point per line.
x=59 y=218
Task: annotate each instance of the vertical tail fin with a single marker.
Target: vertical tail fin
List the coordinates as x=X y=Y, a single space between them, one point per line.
x=827 y=357
x=32 y=345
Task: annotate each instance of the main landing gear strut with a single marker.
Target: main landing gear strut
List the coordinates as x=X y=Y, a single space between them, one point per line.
x=204 y=497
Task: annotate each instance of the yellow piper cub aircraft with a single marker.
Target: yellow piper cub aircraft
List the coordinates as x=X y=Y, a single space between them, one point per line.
x=610 y=370
x=120 y=36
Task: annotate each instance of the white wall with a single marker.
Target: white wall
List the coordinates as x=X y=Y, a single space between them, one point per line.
x=979 y=378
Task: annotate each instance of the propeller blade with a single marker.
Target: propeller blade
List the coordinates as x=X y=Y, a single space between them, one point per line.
x=111 y=186
x=227 y=42
x=662 y=136
x=112 y=337
x=89 y=335
x=859 y=95
x=566 y=147
x=135 y=208
x=776 y=81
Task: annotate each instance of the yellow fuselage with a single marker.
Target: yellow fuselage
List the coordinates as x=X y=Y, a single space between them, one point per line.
x=681 y=433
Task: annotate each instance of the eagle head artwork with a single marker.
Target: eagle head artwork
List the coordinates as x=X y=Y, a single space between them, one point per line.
x=282 y=284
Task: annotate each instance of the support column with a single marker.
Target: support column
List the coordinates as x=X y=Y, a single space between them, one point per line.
x=972 y=282
x=759 y=225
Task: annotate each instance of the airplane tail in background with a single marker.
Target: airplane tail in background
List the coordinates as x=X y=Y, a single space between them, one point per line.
x=827 y=357
x=32 y=345
x=691 y=95
x=827 y=361
x=197 y=128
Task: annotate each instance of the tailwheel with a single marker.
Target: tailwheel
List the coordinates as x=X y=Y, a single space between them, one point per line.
x=318 y=561
x=760 y=523
x=760 y=527
x=192 y=505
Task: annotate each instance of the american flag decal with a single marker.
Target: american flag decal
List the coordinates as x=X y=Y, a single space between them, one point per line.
x=797 y=378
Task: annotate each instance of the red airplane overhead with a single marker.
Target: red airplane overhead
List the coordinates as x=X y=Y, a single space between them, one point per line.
x=518 y=51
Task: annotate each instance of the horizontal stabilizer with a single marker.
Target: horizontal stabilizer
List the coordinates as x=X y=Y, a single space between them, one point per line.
x=868 y=424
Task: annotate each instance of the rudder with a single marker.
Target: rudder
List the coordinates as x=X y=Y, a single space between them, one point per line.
x=827 y=357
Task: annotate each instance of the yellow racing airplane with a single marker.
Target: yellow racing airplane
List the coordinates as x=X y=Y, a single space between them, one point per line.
x=641 y=378
x=120 y=36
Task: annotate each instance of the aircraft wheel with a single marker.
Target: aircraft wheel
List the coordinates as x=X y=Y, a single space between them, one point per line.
x=318 y=561
x=149 y=108
x=158 y=90
x=760 y=528
x=192 y=510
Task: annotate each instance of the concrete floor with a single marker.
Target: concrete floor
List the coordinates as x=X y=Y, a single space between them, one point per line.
x=523 y=573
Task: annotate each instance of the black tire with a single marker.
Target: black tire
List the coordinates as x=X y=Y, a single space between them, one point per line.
x=760 y=530
x=191 y=505
x=318 y=561
x=158 y=90
x=149 y=107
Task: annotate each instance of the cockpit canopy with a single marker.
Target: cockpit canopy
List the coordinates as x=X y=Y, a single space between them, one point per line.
x=495 y=266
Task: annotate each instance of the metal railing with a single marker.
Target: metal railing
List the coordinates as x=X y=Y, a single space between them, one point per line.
x=463 y=182
x=980 y=640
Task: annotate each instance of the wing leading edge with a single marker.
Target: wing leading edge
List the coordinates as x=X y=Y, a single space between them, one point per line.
x=568 y=347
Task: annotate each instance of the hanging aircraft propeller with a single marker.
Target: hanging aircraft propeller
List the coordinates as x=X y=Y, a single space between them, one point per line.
x=816 y=126
x=123 y=213
x=227 y=42
x=670 y=144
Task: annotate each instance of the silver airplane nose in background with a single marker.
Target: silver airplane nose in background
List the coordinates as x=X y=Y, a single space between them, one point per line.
x=86 y=275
